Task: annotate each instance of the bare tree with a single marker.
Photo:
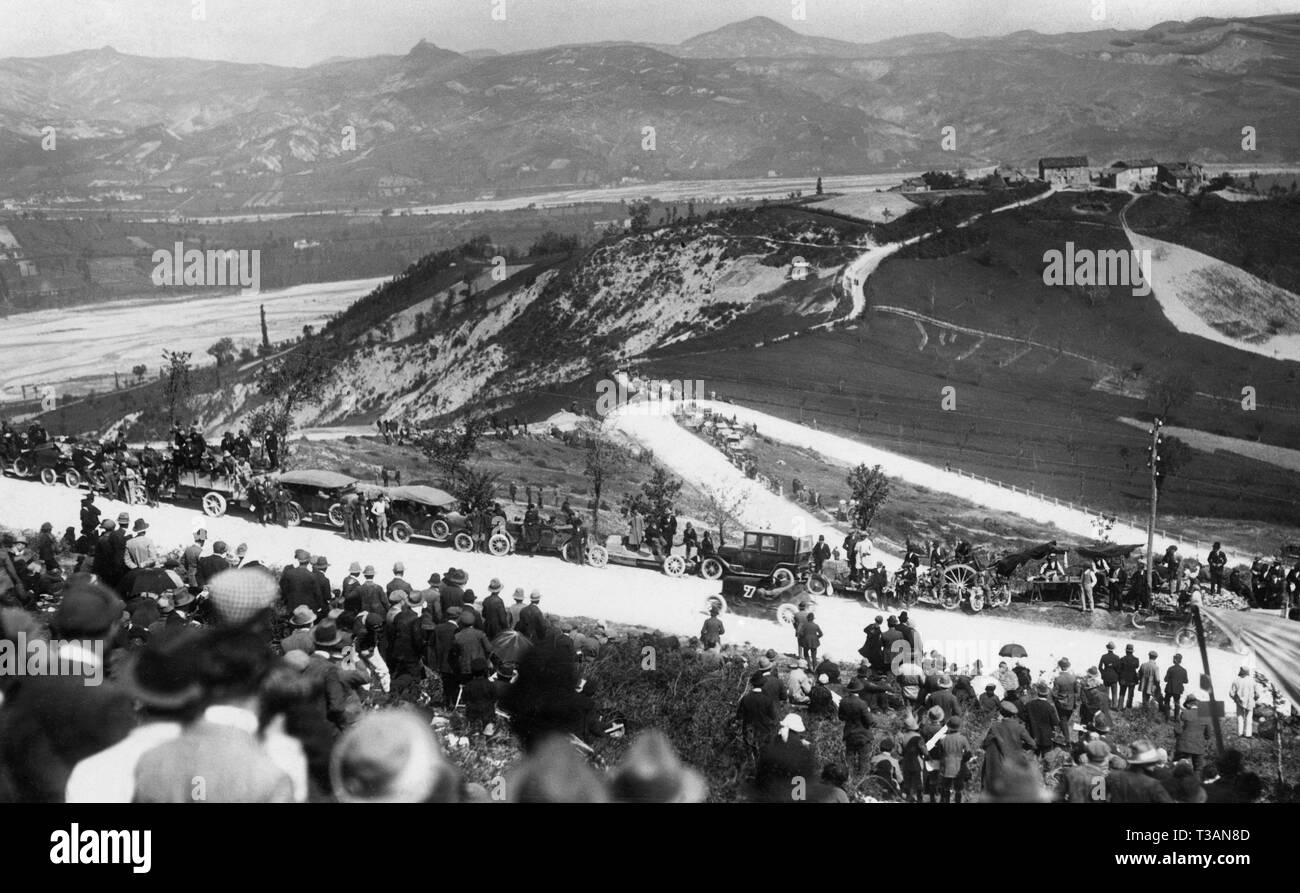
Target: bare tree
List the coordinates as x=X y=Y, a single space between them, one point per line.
x=722 y=506
x=176 y=379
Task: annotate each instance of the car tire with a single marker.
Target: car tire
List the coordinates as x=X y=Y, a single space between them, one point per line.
x=462 y=542
x=49 y=477
x=675 y=566
x=72 y=478
x=782 y=577
x=400 y=532
x=214 y=504
x=500 y=544
x=336 y=515
x=440 y=530
x=712 y=569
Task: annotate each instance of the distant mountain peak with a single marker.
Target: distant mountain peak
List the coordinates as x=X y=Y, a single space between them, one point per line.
x=428 y=53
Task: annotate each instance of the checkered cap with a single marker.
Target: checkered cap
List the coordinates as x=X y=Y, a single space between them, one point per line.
x=239 y=594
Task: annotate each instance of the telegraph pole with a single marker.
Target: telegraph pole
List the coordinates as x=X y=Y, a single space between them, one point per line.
x=1153 y=462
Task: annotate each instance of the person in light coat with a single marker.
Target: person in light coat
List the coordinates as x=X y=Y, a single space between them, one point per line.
x=1244 y=694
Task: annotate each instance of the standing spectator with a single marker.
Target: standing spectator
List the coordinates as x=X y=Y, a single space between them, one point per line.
x=211 y=565
x=821 y=553
x=711 y=632
x=1194 y=734
x=297 y=585
x=1092 y=698
x=438 y=655
x=1175 y=683
x=324 y=592
x=480 y=699
x=1088 y=581
x=787 y=765
x=690 y=540
x=1244 y=694
x=1041 y=719
x=872 y=648
x=857 y=721
x=1128 y=677
x=1065 y=695
x=398 y=582
x=371 y=595
x=532 y=622
x=944 y=699
x=758 y=715
x=1004 y=749
x=810 y=638
x=1217 y=562
x=1109 y=666
x=954 y=752
x=405 y=642
x=302 y=620
x=495 y=617
x=1009 y=681
x=516 y=607
x=1149 y=683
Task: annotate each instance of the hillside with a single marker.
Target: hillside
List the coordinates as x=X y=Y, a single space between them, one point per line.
x=746 y=99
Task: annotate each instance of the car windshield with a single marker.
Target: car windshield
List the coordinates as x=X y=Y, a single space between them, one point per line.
x=751 y=540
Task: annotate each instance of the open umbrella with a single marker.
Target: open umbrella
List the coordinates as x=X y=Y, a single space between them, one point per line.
x=509 y=646
x=979 y=683
x=1011 y=649
x=155 y=581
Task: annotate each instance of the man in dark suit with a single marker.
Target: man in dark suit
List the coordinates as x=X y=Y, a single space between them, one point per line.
x=406 y=641
x=298 y=586
x=52 y=721
x=944 y=699
x=211 y=565
x=1041 y=719
x=758 y=714
x=450 y=590
x=373 y=597
x=1175 y=684
x=1065 y=695
x=89 y=515
x=438 y=648
x=495 y=617
x=1128 y=677
x=1109 y=668
x=857 y=725
x=324 y=592
x=532 y=622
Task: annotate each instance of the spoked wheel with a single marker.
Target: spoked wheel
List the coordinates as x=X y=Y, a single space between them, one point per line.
x=975 y=599
x=97 y=479
x=400 y=532
x=785 y=613
x=499 y=544
x=597 y=556
x=711 y=569
x=782 y=577
x=49 y=477
x=22 y=467
x=1185 y=637
x=72 y=478
x=336 y=515
x=214 y=504
x=463 y=542
x=440 y=530
x=675 y=566
x=293 y=514
x=1139 y=618
x=818 y=585
x=716 y=600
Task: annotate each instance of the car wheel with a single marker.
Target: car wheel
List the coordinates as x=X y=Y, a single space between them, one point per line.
x=336 y=515
x=22 y=467
x=293 y=514
x=597 y=556
x=49 y=477
x=499 y=544
x=785 y=613
x=976 y=600
x=675 y=566
x=72 y=478
x=818 y=585
x=400 y=532
x=782 y=577
x=463 y=542
x=214 y=504
x=717 y=600
x=440 y=530
x=711 y=569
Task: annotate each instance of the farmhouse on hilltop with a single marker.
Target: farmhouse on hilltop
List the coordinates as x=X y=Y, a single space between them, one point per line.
x=1132 y=175
x=1183 y=176
x=1067 y=170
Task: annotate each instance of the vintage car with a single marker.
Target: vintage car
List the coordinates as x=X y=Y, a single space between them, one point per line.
x=315 y=495
x=552 y=536
x=49 y=461
x=775 y=560
x=215 y=491
x=419 y=510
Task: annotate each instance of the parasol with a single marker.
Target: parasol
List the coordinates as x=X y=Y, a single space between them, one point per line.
x=509 y=646
x=1011 y=649
x=979 y=683
x=155 y=581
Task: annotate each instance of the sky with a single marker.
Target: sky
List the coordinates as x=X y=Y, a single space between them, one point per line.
x=304 y=32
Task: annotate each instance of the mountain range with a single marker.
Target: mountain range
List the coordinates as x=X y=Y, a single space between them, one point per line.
x=741 y=101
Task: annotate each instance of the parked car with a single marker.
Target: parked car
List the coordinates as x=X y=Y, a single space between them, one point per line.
x=775 y=560
x=420 y=510
x=315 y=495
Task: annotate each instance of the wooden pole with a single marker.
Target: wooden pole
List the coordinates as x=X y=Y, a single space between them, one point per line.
x=1209 y=680
x=1155 y=495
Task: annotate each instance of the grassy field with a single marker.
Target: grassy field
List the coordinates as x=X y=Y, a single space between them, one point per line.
x=1261 y=237
x=1036 y=407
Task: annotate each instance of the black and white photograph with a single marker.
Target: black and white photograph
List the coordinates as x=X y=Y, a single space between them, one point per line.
x=888 y=402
